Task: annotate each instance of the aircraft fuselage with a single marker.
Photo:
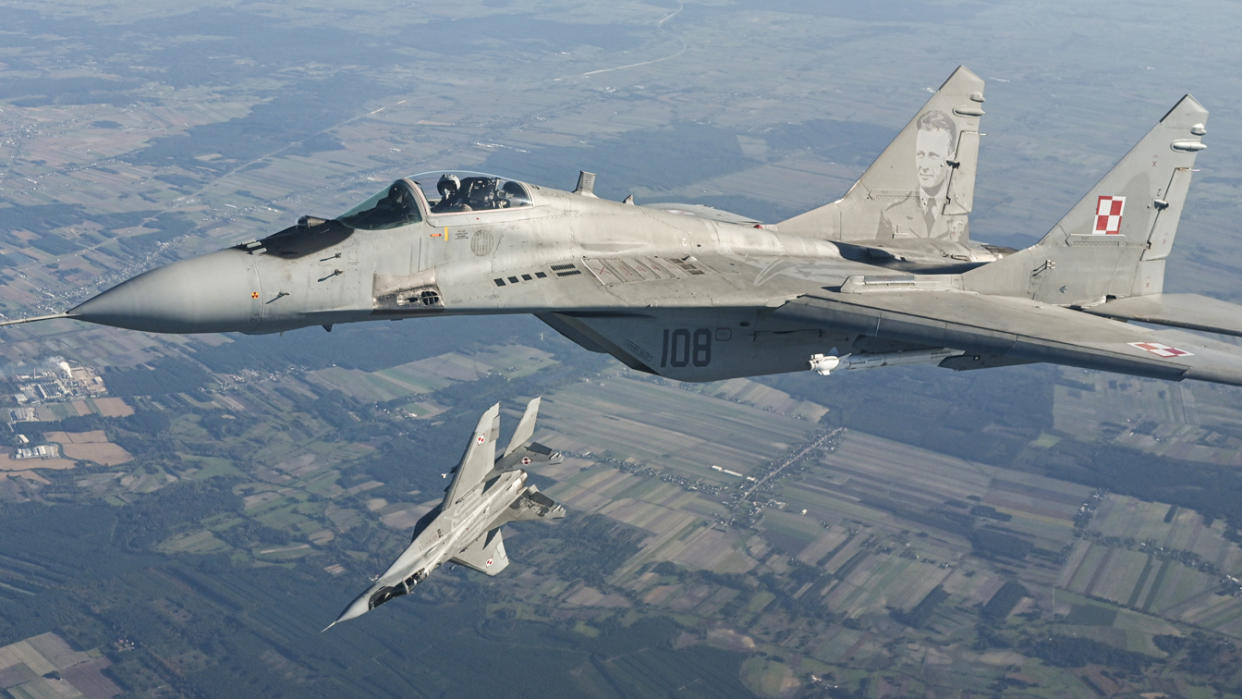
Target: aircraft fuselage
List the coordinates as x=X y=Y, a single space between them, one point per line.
x=567 y=259
x=441 y=538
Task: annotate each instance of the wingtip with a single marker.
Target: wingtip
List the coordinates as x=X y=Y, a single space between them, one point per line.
x=328 y=627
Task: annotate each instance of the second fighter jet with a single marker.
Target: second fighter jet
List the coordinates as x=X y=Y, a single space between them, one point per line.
x=487 y=492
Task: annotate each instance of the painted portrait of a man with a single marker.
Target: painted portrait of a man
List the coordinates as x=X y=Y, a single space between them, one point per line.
x=919 y=215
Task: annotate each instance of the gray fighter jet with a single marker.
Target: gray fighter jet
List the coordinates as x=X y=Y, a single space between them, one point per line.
x=487 y=492
x=886 y=275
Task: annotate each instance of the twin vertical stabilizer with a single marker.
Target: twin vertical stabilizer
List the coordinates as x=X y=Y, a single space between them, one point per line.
x=1113 y=243
x=480 y=454
x=922 y=186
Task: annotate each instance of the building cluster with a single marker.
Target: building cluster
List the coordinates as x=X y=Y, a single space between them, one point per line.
x=53 y=382
x=42 y=451
x=58 y=382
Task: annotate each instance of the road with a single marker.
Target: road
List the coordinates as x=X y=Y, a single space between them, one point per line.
x=785 y=464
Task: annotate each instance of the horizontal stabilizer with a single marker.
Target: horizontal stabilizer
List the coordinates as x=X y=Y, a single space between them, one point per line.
x=1177 y=310
x=531 y=505
x=485 y=554
x=530 y=454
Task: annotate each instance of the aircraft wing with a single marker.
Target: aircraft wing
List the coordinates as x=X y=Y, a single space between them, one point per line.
x=527 y=455
x=1002 y=329
x=915 y=311
x=476 y=463
x=485 y=554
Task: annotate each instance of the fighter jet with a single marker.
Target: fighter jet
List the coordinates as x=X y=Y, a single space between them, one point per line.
x=487 y=492
x=886 y=275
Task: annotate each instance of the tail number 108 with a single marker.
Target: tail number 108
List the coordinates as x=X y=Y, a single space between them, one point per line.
x=683 y=347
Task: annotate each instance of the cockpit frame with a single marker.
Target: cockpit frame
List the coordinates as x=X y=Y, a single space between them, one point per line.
x=465 y=192
x=395 y=206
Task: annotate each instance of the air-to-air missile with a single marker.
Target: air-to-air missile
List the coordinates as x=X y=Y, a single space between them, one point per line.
x=487 y=492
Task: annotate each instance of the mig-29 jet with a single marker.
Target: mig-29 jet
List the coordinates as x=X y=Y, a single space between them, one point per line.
x=888 y=274
x=487 y=492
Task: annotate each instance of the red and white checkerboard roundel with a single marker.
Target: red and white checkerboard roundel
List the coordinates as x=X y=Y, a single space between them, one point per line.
x=481 y=439
x=526 y=461
x=1162 y=350
x=1108 y=210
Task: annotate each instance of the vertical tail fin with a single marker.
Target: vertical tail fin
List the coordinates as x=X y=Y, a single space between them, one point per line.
x=922 y=185
x=522 y=452
x=477 y=462
x=1113 y=242
x=525 y=429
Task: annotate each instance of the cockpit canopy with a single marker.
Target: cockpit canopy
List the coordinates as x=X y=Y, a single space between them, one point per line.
x=457 y=192
x=446 y=192
x=390 y=207
x=399 y=204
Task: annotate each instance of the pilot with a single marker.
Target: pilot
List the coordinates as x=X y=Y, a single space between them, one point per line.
x=448 y=186
x=394 y=208
x=395 y=200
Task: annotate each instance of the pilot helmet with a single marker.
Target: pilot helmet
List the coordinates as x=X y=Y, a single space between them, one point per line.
x=448 y=185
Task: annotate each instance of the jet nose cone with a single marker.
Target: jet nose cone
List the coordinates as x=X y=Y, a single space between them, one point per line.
x=212 y=293
x=355 y=609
